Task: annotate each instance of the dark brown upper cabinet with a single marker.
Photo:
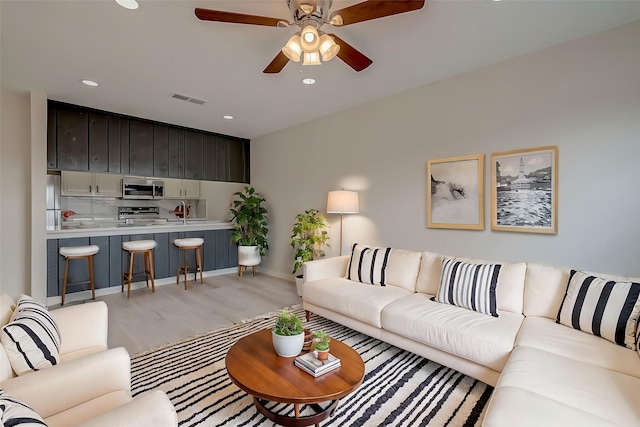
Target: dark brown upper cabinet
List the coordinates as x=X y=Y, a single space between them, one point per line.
x=160 y=150
x=98 y=142
x=72 y=136
x=84 y=139
x=140 y=148
x=176 y=153
x=193 y=163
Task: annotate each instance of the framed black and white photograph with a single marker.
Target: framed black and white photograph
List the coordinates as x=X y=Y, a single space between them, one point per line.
x=524 y=195
x=455 y=193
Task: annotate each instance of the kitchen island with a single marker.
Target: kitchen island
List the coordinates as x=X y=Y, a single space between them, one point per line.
x=219 y=254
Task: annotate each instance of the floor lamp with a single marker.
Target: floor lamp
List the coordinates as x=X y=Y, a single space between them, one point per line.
x=343 y=202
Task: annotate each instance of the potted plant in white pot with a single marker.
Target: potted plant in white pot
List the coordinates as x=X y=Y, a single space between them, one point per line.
x=308 y=238
x=250 y=233
x=288 y=334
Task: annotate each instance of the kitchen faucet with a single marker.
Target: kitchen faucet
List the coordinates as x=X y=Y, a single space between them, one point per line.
x=184 y=212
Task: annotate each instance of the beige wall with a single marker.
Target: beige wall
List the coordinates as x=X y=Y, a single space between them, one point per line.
x=15 y=206
x=583 y=96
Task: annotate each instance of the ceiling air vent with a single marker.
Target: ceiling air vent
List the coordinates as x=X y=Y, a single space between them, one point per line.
x=188 y=99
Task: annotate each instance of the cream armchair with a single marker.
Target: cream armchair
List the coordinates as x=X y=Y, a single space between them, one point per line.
x=83 y=329
x=91 y=391
x=91 y=386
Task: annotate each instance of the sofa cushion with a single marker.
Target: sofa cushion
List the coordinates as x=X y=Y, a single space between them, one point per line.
x=357 y=300
x=470 y=286
x=601 y=307
x=16 y=413
x=32 y=339
x=368 y=264
x=510 y=289
x=512 y=403
x=545 y=334
x=544 y=290
x=483 y=339
x=401 y=269
x=600 y=392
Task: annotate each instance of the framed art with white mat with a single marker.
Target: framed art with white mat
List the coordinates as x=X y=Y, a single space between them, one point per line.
x=524 y=190
x=455 y=192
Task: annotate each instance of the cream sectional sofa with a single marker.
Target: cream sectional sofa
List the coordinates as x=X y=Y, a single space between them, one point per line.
x=544 y=373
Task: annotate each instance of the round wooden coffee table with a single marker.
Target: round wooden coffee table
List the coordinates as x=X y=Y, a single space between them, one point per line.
x=254 y=367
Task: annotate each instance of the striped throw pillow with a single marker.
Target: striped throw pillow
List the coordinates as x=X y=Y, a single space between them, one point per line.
x=470 y=286
x=368 y=264
x=601 y=307
x=32 y=339
x=15 y=413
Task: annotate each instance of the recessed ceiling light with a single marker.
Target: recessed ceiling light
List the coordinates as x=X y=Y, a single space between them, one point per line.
x=308 y=81
x=90 y=83
x=227 y=117
x=129 y=4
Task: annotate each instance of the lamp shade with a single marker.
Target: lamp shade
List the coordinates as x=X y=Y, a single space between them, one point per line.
x=312 y=58
x=328 y=48
x=292 y=49
x=309 y=39
x=343 y=202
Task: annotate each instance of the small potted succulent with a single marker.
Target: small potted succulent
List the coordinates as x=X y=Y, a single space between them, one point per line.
x=322 y=344
x=308 y=238
x=288 y=334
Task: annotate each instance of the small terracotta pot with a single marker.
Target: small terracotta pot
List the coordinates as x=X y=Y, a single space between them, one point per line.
x=323 y=355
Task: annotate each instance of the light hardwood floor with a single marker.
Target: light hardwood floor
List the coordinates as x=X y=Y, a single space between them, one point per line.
x=149 y=320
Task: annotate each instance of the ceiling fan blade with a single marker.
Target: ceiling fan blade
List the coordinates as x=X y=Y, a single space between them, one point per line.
x=238 y=18
x=350 y=55
x=373 y=9
x=277 y=64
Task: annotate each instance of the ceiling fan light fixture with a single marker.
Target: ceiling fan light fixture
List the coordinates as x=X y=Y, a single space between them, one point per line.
x=292 y=49
x=309 y=39
x=311 y=58
x=328 y=47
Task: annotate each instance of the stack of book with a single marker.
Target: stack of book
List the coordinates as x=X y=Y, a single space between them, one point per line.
x=310 y=364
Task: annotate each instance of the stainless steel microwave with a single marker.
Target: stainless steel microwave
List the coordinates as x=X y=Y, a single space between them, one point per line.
x=142 y=188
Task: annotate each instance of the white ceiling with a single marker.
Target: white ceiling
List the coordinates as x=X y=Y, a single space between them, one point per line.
x=140 y=57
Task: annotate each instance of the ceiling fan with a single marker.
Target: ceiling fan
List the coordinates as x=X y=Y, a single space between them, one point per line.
x=310 y=43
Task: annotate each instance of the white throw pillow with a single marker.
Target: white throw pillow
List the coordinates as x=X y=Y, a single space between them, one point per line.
x=470 y=286
x=32 y=339
x=368 y=264
x=601 y=307
x=16 y=413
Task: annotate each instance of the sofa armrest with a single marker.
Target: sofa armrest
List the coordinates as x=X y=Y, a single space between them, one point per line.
x=152 y=409
x=325 y=268
x=60 y=387
x=82 y=326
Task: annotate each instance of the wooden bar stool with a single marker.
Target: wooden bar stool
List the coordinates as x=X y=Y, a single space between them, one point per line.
x=185 y=245
x=139 y=247
x=76 y=252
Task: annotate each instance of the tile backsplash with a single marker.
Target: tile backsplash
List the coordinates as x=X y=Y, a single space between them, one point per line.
x=105 y=208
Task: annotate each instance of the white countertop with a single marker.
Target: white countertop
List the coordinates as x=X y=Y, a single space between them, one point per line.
x=113 y=228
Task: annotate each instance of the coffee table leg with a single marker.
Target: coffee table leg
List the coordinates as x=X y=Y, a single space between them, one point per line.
x=321 y=414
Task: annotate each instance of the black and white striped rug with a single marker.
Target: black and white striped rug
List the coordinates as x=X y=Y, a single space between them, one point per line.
x=399 y=389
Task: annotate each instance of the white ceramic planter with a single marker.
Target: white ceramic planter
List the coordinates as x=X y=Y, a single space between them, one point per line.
x=299 y=282
x=248 y=256
x=287 y=346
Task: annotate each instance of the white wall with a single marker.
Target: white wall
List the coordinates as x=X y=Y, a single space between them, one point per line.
x=15 y=206
x=583 y=96
x=219 y=196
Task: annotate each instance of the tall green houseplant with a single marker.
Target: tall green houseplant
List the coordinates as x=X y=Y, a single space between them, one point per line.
x=250 y=216
x=308 y=237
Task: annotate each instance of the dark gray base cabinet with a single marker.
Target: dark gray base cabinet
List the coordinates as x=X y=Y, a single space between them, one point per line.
x=111 y=261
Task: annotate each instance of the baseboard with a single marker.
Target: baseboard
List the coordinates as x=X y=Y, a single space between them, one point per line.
x=86 y=295
x=287 y=277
